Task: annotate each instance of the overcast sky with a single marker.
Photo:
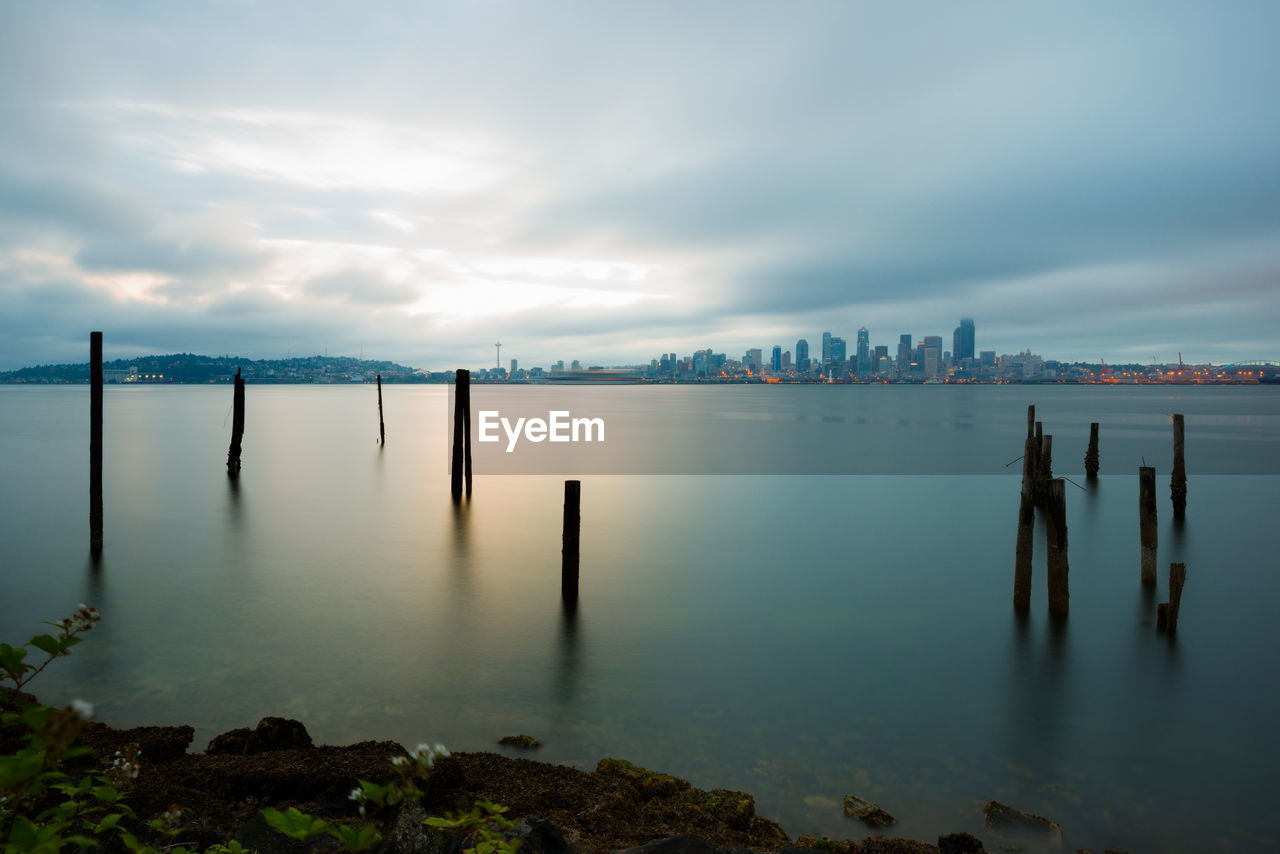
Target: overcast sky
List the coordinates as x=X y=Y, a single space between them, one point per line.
x=607 y=181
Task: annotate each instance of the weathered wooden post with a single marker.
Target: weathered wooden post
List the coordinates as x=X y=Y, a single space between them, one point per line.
x=570 y=540
x=1031 y=421
x=1148 y=533
x=1056 y=557
x=460 y=469
x=1091 y=455
x=1167 y=612
x=455 y=465
x=237 y=427
x=1022 y=554
x=1178 y=481
x=1044 y=467
x=95 y=443
x=382 y=428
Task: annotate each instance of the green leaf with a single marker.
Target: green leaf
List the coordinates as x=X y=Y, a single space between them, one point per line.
x=106 y=794
x=46 y=643
x=295 y=824
x=11 y=659
x=108 y=822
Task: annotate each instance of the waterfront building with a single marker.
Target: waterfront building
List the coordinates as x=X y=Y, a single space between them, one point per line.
x=802 y=356
x=776 y=361
x=962 y=340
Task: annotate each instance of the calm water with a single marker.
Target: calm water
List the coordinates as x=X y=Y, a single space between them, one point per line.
x=800 y=637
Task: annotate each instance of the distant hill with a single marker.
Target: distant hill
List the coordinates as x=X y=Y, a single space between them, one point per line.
x=190 y=368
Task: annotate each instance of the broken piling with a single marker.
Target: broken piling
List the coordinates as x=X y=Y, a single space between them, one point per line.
x=570 y=540
x=1055 y=502
x=237 y=427
x=1147 y=531
x=1178 y=481
x=1091 y=455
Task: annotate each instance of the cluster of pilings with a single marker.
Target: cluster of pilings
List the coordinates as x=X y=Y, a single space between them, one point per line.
x=1041 y=489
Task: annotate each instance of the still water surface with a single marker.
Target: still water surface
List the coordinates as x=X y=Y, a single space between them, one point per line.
x=799 y=637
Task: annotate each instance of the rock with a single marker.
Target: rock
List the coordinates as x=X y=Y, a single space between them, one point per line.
x=278 y=734
x=885 y=845
x=522 y=742
x=231 y=743
x=649 y=784
x=404 y=833
x=960 y=843
x=872 y=814
x=821 y=843
x=735 y=809
x=541 y=836
x=686 y=843
x=270 y=734
x=1004 y=817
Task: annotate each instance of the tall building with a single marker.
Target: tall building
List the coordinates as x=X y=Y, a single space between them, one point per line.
x=904 y=353
x=754 y=359
x=934 y=343
x=802 y=356
x=962 y=341
x=515 y=365
x=881 y=352
x=776 y=361
x=837 y=351
x=864 y=352
x=826 y=348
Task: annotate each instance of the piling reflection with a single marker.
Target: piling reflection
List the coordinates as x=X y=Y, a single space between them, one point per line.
x=568 y=659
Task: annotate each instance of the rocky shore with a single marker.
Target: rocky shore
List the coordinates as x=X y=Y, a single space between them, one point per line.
x=559 y=810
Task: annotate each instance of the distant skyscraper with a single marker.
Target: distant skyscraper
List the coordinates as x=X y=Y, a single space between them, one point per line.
x=932 y=342
x=864 y=352
x=802 y=356
x=776 y=361
x=754 y=359
x=837 y=351
x=904 y=353
x=826 y=348
x=515 y=365
x=962 y=341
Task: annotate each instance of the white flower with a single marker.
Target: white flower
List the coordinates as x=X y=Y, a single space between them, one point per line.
x=441 y=750
x=357 y=795
x=399 y=760
x=83 y=709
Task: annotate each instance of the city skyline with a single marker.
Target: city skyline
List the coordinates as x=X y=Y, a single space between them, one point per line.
x=615 y=181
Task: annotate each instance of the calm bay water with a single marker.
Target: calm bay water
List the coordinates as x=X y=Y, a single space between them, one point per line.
x=797 y=636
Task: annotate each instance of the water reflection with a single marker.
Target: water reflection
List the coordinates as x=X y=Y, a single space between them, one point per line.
x=568 y=660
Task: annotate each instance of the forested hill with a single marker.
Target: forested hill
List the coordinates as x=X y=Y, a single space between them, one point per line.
x=190 y=368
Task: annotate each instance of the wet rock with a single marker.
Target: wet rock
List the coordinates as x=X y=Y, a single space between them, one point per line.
x=821 y=843
x=870 y=813
x=686 y=843
x=885 y=845
x=522 y=742
x=1002 y=817
x=404 y=833
x=278 y=734
x=960 y=843
x=540 y=836
x=270 y=734
x=649 y=784
x=736 y=809
x=231 y=743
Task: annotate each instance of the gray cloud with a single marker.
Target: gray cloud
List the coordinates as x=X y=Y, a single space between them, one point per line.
x=1086 y=180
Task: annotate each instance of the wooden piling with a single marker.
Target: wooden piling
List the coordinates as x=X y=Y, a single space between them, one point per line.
x=1056 y=551
x=382 y=427
x=1022 y=555
x=570 y=540
x=1031 y=421
x=1178 y=481
x=1177 y=578
x=1044 y=468
x=1147 y=530
x=461 y=378
x=1091 y=455
x=237 y=427
x=1029 y=449
x=95 y=443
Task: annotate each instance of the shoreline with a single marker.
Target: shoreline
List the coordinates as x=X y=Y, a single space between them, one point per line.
x=616 y=807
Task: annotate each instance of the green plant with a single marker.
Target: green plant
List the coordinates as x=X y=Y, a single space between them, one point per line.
x=484 y=829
